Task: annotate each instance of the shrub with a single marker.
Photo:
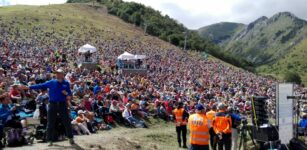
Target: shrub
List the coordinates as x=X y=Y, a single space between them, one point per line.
x=293 y=77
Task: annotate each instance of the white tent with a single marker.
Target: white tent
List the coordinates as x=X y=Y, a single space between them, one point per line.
x=126 y=56
x=85 y=48
x=139 y=56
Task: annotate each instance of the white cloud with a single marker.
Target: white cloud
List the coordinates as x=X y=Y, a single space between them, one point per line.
x=197 y=13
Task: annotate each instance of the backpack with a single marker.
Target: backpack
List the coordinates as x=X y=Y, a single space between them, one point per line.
x=15 y=138
x=40 y=132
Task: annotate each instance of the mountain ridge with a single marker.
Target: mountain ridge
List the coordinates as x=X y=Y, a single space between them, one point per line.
x=268 y=41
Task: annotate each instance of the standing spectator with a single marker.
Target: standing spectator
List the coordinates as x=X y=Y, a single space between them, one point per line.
x=181 y=124
x=59 y=100
x=210 y=115
x=235 y=122
x=199 y=129
x=222 y=127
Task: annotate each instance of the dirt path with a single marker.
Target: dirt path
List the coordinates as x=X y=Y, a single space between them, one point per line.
x=159 y=136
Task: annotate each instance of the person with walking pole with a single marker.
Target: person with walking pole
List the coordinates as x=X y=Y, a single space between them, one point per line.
x=59 y=100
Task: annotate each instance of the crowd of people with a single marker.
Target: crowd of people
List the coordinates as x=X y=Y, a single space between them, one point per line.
x=99 y=96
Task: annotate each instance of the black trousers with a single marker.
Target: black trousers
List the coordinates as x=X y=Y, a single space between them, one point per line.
x=199 y=147
x=213 y=142
x=182 y=131
x=225 y=142
x=58 y=109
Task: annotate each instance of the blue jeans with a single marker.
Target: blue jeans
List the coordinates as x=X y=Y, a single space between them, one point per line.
x=133 y=120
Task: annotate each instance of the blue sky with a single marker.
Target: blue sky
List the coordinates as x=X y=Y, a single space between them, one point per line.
x=198 y=13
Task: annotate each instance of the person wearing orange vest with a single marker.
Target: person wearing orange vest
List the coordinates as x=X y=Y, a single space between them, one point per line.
x=181 y=117
x=222 y=127
x=199 y=129
x=210 y=115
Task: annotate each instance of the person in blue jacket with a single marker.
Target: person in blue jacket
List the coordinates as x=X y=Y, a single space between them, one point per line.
x=60 y=96
x=235 y=122
x=303 y=121
x=8 y=117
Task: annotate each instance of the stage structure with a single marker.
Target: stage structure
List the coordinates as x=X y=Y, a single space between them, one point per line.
x=88 y=57
x=129 y=64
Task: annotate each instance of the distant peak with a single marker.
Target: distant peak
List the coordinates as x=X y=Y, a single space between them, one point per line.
x=283 y=14
x=286 y=13
x=261 y=19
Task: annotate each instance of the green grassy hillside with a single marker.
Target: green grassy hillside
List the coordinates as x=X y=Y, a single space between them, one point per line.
x=220 y=32
x=294 y=61
x=268 y=39
x=63 y=21
x=166 y=28
x=274 y=45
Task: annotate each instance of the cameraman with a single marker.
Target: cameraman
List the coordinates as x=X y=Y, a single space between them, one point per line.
x=236 y=120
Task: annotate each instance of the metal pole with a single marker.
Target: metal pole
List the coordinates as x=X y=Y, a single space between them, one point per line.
x=185 y=40
x=145 y=28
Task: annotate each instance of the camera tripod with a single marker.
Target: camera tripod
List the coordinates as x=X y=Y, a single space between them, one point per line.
x=243 y=136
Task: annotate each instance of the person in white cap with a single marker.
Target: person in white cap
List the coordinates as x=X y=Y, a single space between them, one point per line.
x=59 y=100
x=81 y=123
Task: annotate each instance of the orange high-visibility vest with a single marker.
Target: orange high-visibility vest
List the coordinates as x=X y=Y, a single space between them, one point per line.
x=221 y=123
x=199 y=129
x=179 y=117
x=210 y=116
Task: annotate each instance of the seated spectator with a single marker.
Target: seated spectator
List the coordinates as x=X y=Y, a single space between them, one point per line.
x=8 y=115
x=42 y=96
x=116 y=111
x=15 y=94
x=127 y=114
x=80 y=123
x=161 y=111
x=86 y=103
x=91 y=123
x=97 y=105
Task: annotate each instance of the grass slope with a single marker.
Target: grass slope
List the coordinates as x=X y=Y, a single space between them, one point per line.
x=275 y=45
x=220 y=32
x=159 y=136
x=267 y=40
x=66 y=20
x=295 y=60
x=90 y=24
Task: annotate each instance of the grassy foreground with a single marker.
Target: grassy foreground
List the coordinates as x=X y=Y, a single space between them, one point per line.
x=160 y=135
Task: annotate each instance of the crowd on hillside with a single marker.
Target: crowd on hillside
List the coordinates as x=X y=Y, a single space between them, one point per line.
x=103 y=96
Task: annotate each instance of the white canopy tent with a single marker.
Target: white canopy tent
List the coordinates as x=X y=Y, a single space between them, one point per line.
x=139 y=56
x=87 y=48
x=126 y=56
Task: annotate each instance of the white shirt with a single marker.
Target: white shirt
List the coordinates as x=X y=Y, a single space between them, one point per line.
x=127 y=113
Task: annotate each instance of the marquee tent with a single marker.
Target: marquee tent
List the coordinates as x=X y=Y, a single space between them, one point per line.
x=87 y=48
x=127 y=56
